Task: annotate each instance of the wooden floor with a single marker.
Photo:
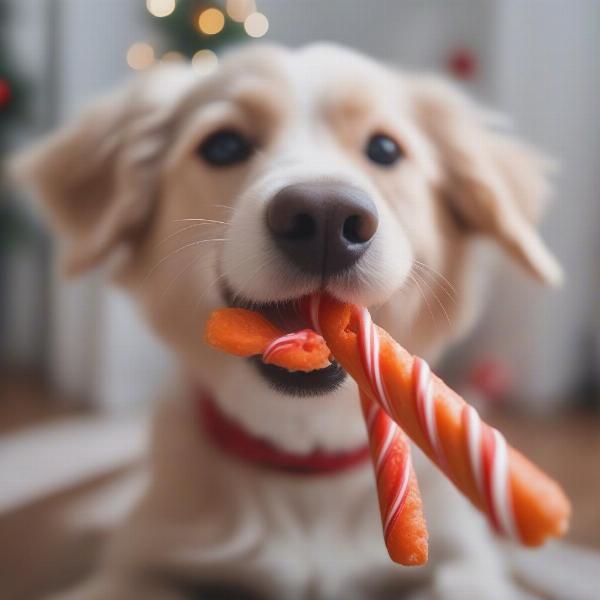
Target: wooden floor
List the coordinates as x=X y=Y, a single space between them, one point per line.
x=25 y=401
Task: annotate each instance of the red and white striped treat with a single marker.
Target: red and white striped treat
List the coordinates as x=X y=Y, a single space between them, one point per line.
x=488 y=457
x=404 y=527
x=519 y=499
x=487 y=447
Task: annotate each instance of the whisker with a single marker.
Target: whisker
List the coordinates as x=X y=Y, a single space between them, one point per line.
x=412 y=277
x=435 y=296
x=436 y=274
x=226 y=206
x=171 y=254
x=216 y=221
x=181 y=231
x=437 y=283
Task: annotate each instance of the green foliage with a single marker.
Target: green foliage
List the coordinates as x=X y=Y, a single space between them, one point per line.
x=182 y=32
x=14 y=108
x=14 y=225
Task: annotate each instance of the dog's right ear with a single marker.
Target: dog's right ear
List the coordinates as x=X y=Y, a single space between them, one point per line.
x=493 y=184
x=96 y=178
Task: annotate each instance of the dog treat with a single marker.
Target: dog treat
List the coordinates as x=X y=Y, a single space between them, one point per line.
x=404 y=527
x=520 y=500
x=246 y=333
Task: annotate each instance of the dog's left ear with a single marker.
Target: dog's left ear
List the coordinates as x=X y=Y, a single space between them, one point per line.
x=96 y=178
x=494 y=184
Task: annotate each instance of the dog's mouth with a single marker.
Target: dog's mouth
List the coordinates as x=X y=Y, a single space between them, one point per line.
x=288 y=317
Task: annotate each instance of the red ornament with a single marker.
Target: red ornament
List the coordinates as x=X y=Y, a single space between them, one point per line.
x=462 y=63
x=492 y=377
x=5 y=93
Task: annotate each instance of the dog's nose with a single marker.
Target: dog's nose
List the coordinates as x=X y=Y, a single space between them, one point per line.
x=323 y=228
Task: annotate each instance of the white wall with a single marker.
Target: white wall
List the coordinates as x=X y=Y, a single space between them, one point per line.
x=548 y=80
x=411 y=33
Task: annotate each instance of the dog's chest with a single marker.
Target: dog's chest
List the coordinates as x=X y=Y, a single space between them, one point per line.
x=299 y=534
x=212 y=518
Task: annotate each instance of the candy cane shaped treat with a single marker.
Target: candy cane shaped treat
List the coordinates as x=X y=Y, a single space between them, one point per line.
x=404 y=528
x=246 y=333
x=519 y=499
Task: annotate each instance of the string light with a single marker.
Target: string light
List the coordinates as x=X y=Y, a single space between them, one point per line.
x=256 y=25
x=160 y=8
x=140 y=55
x=206 y=61
x=211 y=21
x=239 y=10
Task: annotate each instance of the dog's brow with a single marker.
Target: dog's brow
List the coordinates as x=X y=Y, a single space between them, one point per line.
x=351 y=103
x=258 y=99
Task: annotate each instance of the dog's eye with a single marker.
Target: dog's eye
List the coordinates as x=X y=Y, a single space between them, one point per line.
x=383 y=150
x=225 y=147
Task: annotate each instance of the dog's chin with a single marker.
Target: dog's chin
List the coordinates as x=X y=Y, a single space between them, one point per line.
x=287 y=316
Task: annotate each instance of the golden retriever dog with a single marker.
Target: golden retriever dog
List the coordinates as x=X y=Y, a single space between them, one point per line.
x=282 y=173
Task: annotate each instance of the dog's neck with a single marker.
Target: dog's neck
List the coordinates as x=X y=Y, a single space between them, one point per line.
x=234 y=440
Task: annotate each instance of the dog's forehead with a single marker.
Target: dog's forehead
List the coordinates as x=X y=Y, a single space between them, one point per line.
x=317 y=76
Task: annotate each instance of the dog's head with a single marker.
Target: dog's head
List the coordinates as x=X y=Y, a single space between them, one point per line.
x=285 y=172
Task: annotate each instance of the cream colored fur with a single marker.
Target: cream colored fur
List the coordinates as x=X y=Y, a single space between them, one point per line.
x=126 y=177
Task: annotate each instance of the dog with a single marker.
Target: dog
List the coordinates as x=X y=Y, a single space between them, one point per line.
x=282 y=173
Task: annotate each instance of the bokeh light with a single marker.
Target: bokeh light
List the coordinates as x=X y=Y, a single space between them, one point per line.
x=256 y=25
x=205 y=61
x=160 y=8
x=211 y=21
x=239 y=10
x=140 y=55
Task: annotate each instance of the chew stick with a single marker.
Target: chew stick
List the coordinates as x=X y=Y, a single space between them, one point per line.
x=246 y=333
x=520 y=501
x=404 y=527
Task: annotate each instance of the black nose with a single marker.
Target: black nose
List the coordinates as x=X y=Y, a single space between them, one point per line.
x=324 y=228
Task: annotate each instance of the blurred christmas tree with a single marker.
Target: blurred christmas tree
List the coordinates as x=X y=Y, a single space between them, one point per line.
x=13 y=224
x=198 y=29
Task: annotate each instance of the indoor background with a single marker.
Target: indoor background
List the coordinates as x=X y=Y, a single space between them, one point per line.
x=77 y=363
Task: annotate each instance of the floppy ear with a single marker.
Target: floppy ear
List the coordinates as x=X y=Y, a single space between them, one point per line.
x=493 y=183
x=97 y=177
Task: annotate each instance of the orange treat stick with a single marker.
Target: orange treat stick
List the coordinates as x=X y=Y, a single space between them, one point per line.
x=246 y=333
x=404 y=527
x=519 y=499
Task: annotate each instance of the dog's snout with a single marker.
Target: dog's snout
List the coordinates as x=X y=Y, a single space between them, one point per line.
x=323 y=228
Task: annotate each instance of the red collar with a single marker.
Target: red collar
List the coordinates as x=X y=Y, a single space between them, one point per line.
x=236 y=441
